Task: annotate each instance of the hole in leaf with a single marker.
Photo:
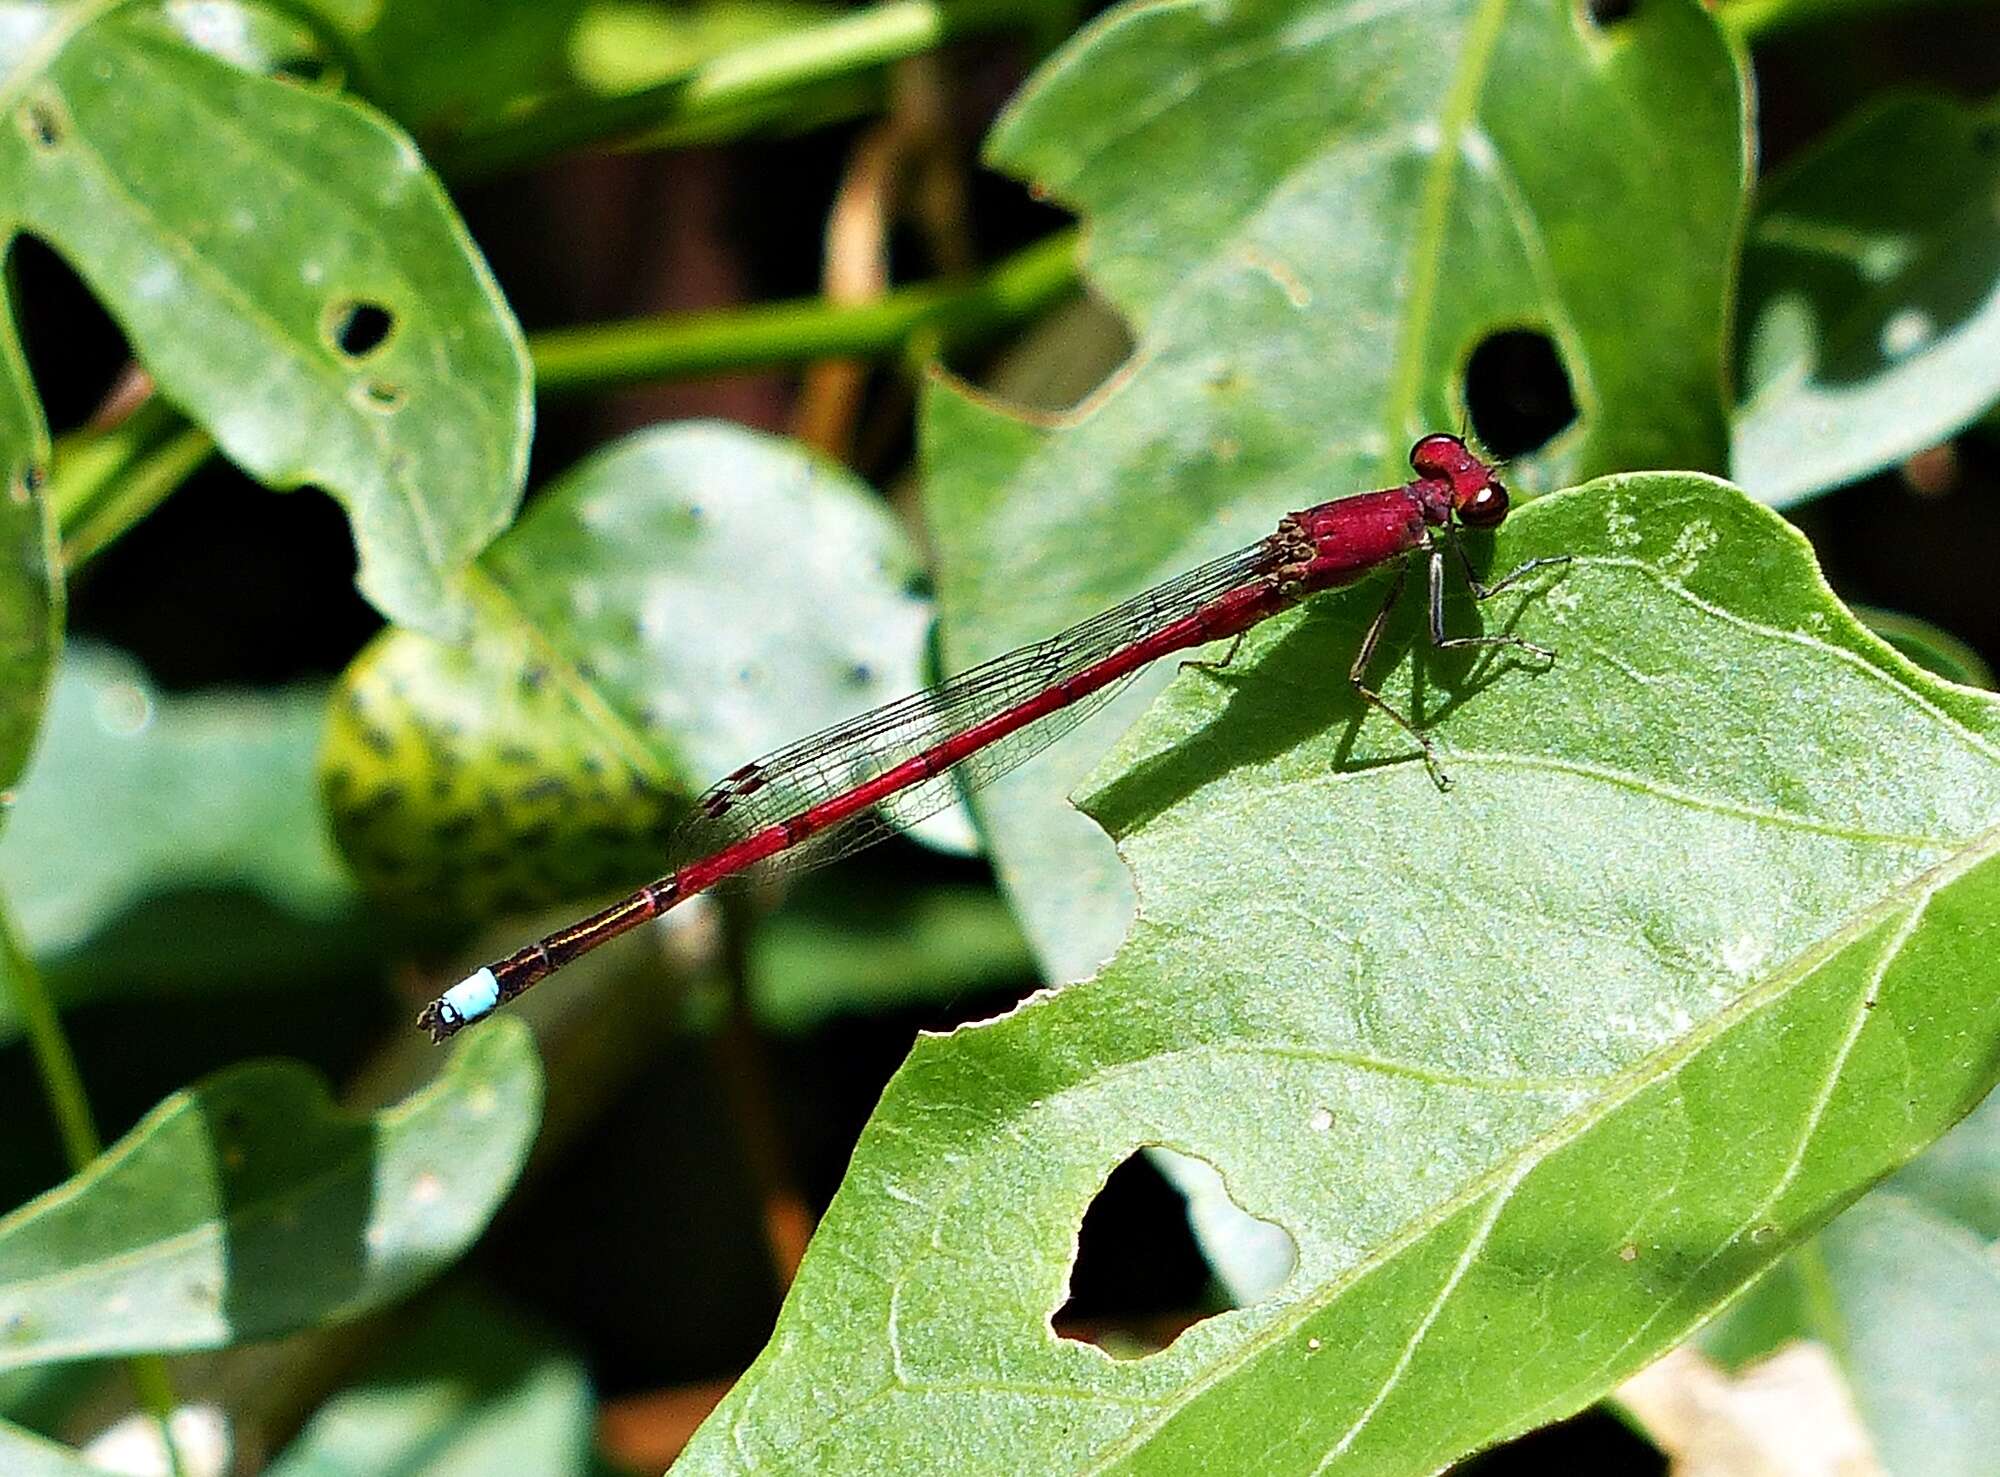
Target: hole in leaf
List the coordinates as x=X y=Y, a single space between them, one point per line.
x=306 y=70
x=1610 y=12
x=380 y=395
x=42 y=121
x=1517 y=392
x=358 y=329
x=1139 y=1279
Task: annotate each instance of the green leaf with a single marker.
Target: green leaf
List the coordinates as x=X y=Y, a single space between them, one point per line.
x=467 y=1391
x=289 y=272
x=133 y=794
x=437 y=64
x=248 y=1207
x=1904 y=1290
x=621 y=45
x=675 y=605
x=1871 y=299
x=1537 y=1074
x=1379 y=189
x=31 y=591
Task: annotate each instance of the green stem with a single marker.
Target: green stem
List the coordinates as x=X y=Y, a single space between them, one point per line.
x=756 y=73
x=62 y=1085
x=1022 y=285
x=930 y=314
x=145 y=484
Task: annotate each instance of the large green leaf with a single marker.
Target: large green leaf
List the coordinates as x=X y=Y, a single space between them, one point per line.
x=1904 y=1291
x=133 y=794
x=247 y=1207
x=288 y=270
x=1536 y=1074
x=677 y=604
x=1360 y=193
x=467 y=1391
x=1871 y=299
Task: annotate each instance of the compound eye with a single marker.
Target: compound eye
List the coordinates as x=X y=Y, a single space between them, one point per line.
x=1438 y=456
x=1485 y=507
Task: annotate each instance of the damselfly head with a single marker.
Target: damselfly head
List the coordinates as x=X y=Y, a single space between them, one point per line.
x=1476 y=497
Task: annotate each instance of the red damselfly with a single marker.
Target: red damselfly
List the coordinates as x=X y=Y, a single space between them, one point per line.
x=847 y=786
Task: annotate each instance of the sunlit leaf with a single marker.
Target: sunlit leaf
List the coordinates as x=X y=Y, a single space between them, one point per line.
x=288 y=271
x=1871 y=299
x=1312 y=213
x=247 y=1207
x=1537 y=1074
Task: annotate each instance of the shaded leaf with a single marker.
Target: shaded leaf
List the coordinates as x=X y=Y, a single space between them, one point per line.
x=288 y=271
x=675 y=605
x=133 y=794
x=1931 y=647
x=31 y=592
x=469 y=1390
x=842 y=948
x=1537 y=1074
x=1904 y=1292
x=247 y=1207
x=1871 y=299
x=1380 y=188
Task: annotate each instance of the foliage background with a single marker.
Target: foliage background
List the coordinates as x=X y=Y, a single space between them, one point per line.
x=169 y=872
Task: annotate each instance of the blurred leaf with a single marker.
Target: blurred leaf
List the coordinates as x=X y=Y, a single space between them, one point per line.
x=1871 y=299
x=1537 y=1074
x=468 y=1391
x=840 y=948
x=437 y=64
x=290 y=274
x=1904 y=1291
x=24 y=1454
x=132 y=794
x=1380 y=189
x=248 y=1207
x=675 y=605
x=31 y=592
x=1930 y=647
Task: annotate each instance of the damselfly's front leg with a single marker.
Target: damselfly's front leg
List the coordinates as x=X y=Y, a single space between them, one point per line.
x=1519 y=572
x=1203 y=664
x=1479 y=592
x=1357 y=673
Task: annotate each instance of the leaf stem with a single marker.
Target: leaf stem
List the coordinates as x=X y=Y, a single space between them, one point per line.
x=145 y=483
x=747 y=75
x=1018 y=287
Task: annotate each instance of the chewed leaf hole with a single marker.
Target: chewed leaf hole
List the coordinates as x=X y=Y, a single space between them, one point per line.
x=358 y=329
x=1609 y=12
x=1517 y=392
x=1138 y=1279
x=307 y=71
x=42 y=121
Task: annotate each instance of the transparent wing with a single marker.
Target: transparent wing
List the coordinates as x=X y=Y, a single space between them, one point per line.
x=837 y=759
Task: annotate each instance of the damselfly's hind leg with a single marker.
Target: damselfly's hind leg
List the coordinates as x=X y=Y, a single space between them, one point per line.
x=1203 y=664
x=1480 y=592
x=1357 y=673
